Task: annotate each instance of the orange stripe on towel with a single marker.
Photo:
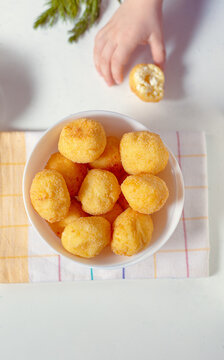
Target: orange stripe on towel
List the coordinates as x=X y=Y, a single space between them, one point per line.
x=192 y=155
x=14 y=226
x=12 y=163
x=14 y=238
x=10 y=195
x=195 y=218
x=27 y=256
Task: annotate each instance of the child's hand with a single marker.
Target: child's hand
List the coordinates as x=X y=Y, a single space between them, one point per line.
x=135 y=22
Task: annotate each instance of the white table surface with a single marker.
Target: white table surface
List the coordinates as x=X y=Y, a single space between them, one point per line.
x=42 y=79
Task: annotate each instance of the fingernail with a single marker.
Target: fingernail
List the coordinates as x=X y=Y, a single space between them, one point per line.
x=118 y=81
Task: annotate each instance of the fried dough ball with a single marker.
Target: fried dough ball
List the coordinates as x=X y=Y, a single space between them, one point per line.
x=143 y=152
x=99 y=192
x=147 y=82
x=49 y=195
x=110 y=159
x=113 y=214
x=131 y=232
x=86 y=236
x=73 y=173
x=145 y=193
x=75 y=212
x=82 y=140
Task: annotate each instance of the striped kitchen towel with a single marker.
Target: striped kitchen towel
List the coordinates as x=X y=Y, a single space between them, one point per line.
x=25 y=257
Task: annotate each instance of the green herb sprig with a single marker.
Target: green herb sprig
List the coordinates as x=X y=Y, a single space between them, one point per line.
x=90 y=15
x=83 y=12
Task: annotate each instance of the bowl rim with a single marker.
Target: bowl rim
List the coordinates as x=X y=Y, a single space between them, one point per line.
x=138 y=257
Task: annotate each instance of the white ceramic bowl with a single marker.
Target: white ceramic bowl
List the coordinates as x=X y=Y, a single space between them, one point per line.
x=165 y=221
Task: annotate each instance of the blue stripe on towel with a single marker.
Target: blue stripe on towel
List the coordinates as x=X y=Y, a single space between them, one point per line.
x=91 y=273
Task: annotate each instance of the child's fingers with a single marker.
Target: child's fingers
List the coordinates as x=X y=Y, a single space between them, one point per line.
x=119 y=58
x=100 y=42
x=105 y=62
x=158 y=50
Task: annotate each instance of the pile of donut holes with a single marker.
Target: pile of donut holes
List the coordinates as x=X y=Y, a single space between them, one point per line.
x=99 y=190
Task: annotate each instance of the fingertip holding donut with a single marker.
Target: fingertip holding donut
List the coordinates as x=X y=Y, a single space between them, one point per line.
x=147 y=82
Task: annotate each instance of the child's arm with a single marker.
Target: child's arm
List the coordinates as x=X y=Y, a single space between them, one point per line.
x=135 y=22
